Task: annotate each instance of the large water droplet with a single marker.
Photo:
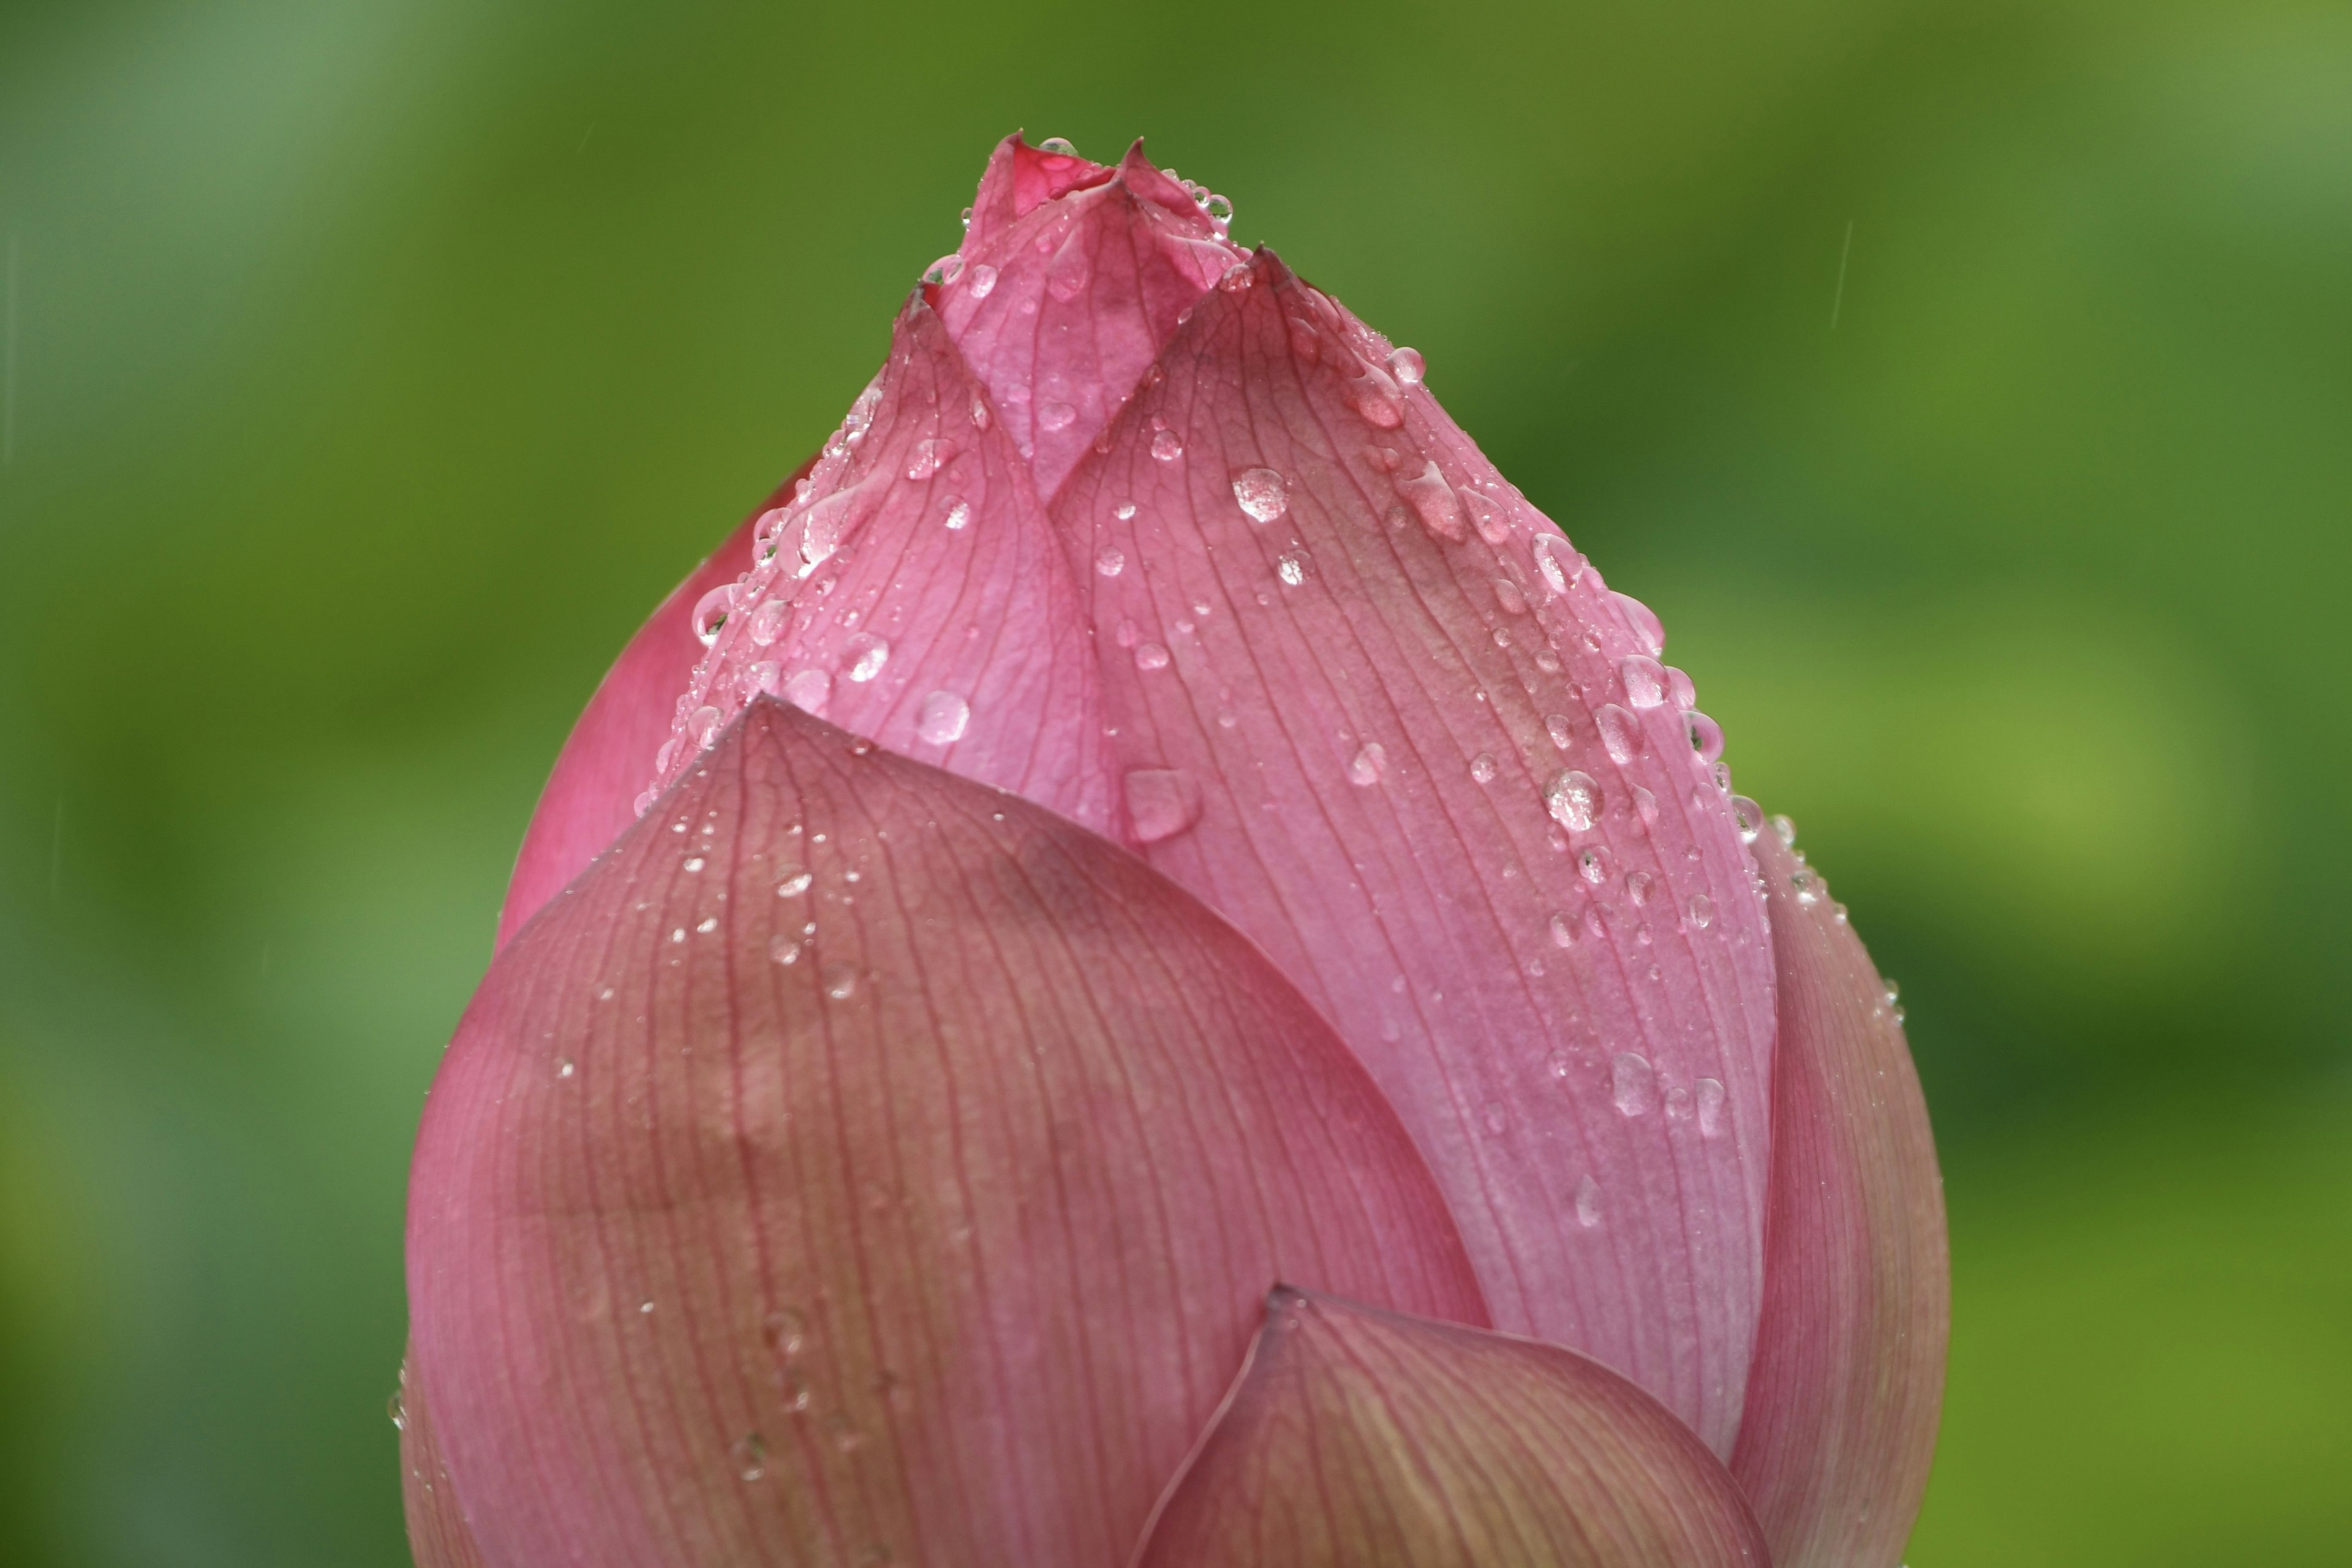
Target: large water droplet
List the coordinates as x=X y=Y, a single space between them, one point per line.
x=1646 y=682
x=1369 y=764
x=704 y=726
x=1374 y=397
x=1558 y=561
x=1702 y=910
x=942 y=717
x=1588 y=1202
x=710 y=613
x=1161 y=802
x=1706 y=736
x=1573 y=799
x=1261 y=493
x=1637 y=887
x=809 y=691
x=1632 y=1084
x=1059 y=146
x=1621 y=733
x=767 y=622
x=1679 y=687
x=1407 y=367
x=1435 y=502
x=863 y=657
x=1167 y=445
x=929 y=457
x=1747 y=816
x=1710 y=1106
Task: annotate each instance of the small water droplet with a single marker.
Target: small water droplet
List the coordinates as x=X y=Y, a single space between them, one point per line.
x=1374 y=397
x=1407 y=367
x=1054 y=415
x=695 y=863
x=1237 y=279
x=1260 y=491
x=397 y=1407
x=1592 y=865
x=929 y=457
x=866 y=655
x=1510 y=599
x=1563 y=930
x=810 y=690
x=1558 y=561
x=1573 y=799
x=1434 y=501
x=1785 y=830
x=1057 y=144
x=959 y=516
x=705 y=725
x=1807 y=883
x=1562 y=733
x=710 y=613
x=1292 y=569
x=1369 y=764
x=708 y=925
x=979 y=282
x=793 y=886
x=1123 y=510
x=946 y=269
x=1646 y=682
x=1747 y=816
x=1706 y=736
x=1167 y=445
x=1150 y=656
x=1702 y=910
x=1638 y=885
x=840 y=982
x=783 y=950
x=768 y=621
x=1161 y=802
x=942 y=717
x=750 y=1456
x=1632 y=1086
x=1588 y=1202
x=1646 y=806
x=1711 y=1097
x=1482 y=767
x=1621 y=733
x=566 y=1067
x=1679 y=688
x=1111 y=562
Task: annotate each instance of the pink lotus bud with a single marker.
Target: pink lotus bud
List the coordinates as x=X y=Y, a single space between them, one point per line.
x=1266 y=852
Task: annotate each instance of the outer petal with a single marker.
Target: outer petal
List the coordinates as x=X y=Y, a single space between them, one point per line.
x=608 y=759
x=1062 y=309
x=437 y=1532
x=1849 y=1375
x=914 y=592
x=859 y=1161
x=1396 y=701
x=1357 y=1438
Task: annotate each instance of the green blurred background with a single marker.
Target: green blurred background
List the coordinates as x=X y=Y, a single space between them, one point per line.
x=1969 y=383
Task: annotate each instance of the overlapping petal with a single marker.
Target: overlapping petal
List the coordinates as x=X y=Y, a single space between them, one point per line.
x=1373 y=708
x=1848 y=1380
x=439 y=1536
x=1362 y=1438
x=860 y=1164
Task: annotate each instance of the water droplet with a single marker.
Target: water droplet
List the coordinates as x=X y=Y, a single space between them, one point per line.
x=979 y=411
x=710 y=613
x=565 y=1068
x=1588 y=1202
x=1150 y=656
x=959 y=516
x=1719 y=776
x=695 y=863
x=1747 y=816
x=1646 y=682
x=397 y=1408
x=1111 y=562
x=1054 y=415
x=1646 y=806
x=946 y=269
x=1369 y=764
x=1644 y=622
x=1785 y=830
x=1408 y=366
x=1638 y=885
x=1573 y=799
x=942 y=717
x=783 y=950
x=1678 y=1104
x=1679 y=687
x=1167 y=445
x=1483 y=768
x=1510 y=599
x=1292 y=569
x=1563 y=930
x=1260 y=491
x=1632 y=1084
x=1059 y=146
x=929 y=457
x=1435 y=502
x=1592 y=865
x=1702 y=910
x=1808 y=884
x=1161 y=803
x=749 y=1454
x=866 y=655
x=1706 y=736
x=1123 y=510
x=980 y=283
x=1558 y=562
x=809 y=691
x=1562 y=733
x=705 y=725
x=793 y=886
x=840 y=982
x=1621 y=733
x=1374 y=397
x=1711 y=1097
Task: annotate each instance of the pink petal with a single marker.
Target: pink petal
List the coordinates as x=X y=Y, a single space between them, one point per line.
x=914 y=593
x=1019 y=179
x=857 y=1160
x=1390 y=677
x=1848 y=1381
x=437 y=1535
x=1360 y=1437
x=1060 y=310
x=608 y=759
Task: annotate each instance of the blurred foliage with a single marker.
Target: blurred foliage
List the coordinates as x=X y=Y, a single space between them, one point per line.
x=1965 y=382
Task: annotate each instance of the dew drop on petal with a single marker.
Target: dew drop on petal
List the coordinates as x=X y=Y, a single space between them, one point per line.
x=1482 y=767
x=1260 y=491
x=1167 y=445
x=809 y=691
x=710 y=613
x=1592 y=865
x=1637 y=887
x=1644 y=622
x=1632 y=1086
x=1573 y=799
x=705 y=726
x=765 y=677
x=1408 y=366
x=1150 y=656
x=959 y=516
x=1702 y=912
x=1621 y=733
x=749 y=1454
x=1784 y=828
x=1435 y=502
x=1588 y=1202
x=1123 y=510
x=1706 y=736
x=980 y=281
x=866 y=655
x=1161 y=803
x=783 y=950
x=1054 y=415
x=1711 y=1095
x=1646 y=682
x=1562 y=733
x=1486 y=515
x=1510 y=599
x=793 y=886
x=1558 y=562
x=929 y=457
x=1111 y=562
x=840 y=982
x=1369 y=764
x=1646 y=806
x=1679 y=687
x=1749 y=816
x=1292 y=569
x=942 y=717
x=1563 y=930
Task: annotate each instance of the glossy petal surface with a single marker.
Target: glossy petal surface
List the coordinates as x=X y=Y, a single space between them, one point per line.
x=1357 y=1438
x=862 y=1160
x=1389 y=676
x=1849 y=1375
